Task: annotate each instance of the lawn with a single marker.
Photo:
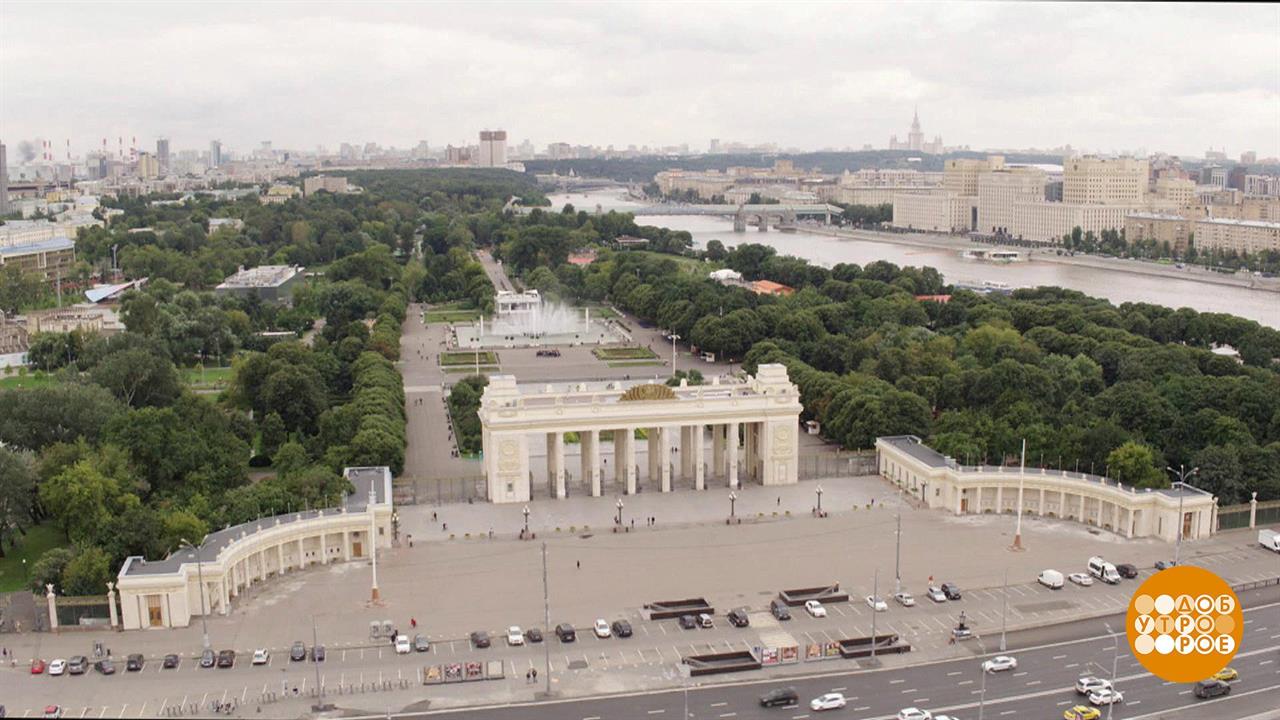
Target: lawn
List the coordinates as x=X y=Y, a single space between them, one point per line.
x=635 y=363
x=30 y=547
x=452 y=312
x=30 y=380
x=602 y=312
x=486 y=357
x=624 y=353
x=484 y=369
x=210 y=377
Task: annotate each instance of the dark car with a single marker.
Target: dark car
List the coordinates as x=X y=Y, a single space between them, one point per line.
x=317 y=653
x=77 y=665
x=951 y=591
x=738 y=618
x=780 y=610
x=1211 y=688
x=480 y=639
x=779 y=697
x=420 y=643
x=621 y=628
x=1164 y=564
x=297 y=651
x=134 y=662
x=533 y=635
x=1127 y=570
x=226 y=658
x=105 y=666
x=171 y=661
x=566 y=633
x=208 y=659
x=688 y=622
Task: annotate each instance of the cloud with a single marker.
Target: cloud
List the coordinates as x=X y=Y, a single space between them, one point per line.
x=1174 y=77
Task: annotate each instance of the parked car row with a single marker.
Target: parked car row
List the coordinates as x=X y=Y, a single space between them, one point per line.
x=1098 y=568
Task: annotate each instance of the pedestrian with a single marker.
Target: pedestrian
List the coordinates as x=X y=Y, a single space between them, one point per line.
x=444 y=527
x=579 y=564
x=633 y=523
x=535 y=674
x=433 y=516
x=410 y=537
x=413 y=623
x=779 y=501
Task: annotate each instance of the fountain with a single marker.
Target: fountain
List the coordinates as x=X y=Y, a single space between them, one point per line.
x=525 y=320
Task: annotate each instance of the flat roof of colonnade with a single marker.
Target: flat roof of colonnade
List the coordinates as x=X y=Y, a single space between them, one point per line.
x=915 y=447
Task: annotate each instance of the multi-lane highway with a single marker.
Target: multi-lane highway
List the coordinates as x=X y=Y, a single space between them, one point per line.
x=1042 y=686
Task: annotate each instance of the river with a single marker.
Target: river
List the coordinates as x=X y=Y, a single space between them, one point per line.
x=1115 y=285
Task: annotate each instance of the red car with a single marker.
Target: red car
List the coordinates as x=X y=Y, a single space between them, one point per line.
x=37 y=666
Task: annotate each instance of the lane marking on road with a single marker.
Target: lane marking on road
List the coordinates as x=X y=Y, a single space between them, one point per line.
x=961 y=672
x=1266 y=662
x=125 y=709
x=1072 y=665
x=591 y=717
x=729 y=714
x=719 y=704
x=1008 y=712
x=965 y=682
x=656 y=712
x=1058 y=657
x=1020 y=674
x=908 y=691
x=842 y=688
x=1032 y=682
x=896 y=681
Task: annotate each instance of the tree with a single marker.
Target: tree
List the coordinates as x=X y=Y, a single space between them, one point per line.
x=20 y=290
x=81 y=499
x=62 y=412
x=1135 y=464
x=48 y=568
x=274 y=434
x=17 y=485
x=87 y=573
x=138 y=378
x=716 y=251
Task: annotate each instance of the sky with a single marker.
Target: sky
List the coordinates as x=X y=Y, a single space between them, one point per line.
x=1104 y=77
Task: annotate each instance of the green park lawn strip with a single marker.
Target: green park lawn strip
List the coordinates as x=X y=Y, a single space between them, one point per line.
x=471 y=369
x=627 y=353
x=635 y=363
x=30 y=547
x=210 y=377
x=486 y=357
x=452 y=316
x=26 y=381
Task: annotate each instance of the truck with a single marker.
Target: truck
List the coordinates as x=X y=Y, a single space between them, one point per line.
x=1269 y=539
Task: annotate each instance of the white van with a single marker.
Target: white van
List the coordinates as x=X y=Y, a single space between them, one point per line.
x=1103 y=570
x=1051 y=579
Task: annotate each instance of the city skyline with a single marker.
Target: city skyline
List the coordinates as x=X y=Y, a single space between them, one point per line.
x=398 y=75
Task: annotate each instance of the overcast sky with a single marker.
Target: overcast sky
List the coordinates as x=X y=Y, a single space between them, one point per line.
x=1177 y=78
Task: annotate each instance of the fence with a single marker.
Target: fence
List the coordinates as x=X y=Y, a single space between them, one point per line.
x=1237 y=516
x=86 y=610
x=825 y=465
x=413 y=491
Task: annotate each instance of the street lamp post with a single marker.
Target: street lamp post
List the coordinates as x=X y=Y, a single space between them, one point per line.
x=1115 y=660
x=619 y=506
x=526 y=521
x=897 y=557
x=374 y=594
x=1022 y=474
x=1004 y=610
x=1182 y=474
x=818 y=490
x=204 y=627
x=733 y=499
x=982 y=699
x=674 y=338
x=875 y=598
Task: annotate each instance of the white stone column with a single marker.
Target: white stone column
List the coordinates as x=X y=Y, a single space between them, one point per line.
x=1062 y=504
x=346 y=545
x=717 y=450
x=224 y=596
x=1041 y=505
x=620 y=456
x=629 y=459
x=302 y=555
x=699 y=463
x=111 y=603
x=999 y=499
x=324 y=548
x=664 y=455
x=656 y=460
x=749 y=450
x=731 y=450
x=686 y=451
x=280 y=559
x=555 y=463
x=52 y=601
x=591 y=459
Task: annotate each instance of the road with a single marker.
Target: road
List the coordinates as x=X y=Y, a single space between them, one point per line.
x=1041 y=686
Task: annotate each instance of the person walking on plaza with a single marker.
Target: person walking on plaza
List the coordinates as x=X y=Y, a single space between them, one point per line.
x=413 y=623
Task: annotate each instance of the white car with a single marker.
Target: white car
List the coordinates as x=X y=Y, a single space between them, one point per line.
x=602 y=628
x=830 y=701
x=57 y=667
x=876 y=603
x=914 y=714
x=261 y=656
x=515 y=636
x=935 y=594
x=403 y=646
x=904 y=599
x=1106 y=696
x=999 y=663
x=1080 y=579
x=815 y=609
x=1089 y=684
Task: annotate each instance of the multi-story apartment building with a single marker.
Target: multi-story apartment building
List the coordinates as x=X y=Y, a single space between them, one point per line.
x=1160 y=228
x=1245 y=237
x=960 y=175
x=938 y=211
x=493 y=148
x=1092 y=180
x=999 y=191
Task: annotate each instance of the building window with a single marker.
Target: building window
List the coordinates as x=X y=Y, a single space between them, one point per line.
x=511 y=488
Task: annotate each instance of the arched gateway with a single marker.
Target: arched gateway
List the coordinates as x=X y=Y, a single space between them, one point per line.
x=753 y=428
